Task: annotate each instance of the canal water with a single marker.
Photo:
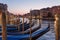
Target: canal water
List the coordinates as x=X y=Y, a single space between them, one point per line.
x=49 y=35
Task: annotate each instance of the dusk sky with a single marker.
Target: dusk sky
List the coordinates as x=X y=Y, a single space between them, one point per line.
x=24 y=6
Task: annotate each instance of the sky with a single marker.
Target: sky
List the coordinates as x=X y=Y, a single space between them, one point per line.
x=24 y=6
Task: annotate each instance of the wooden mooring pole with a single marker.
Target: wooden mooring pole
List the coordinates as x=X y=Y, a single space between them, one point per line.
x=23 y=25
x=30 y=26
x=4 y=32
x=57 y=26
x=40 y=19
x=18 y=23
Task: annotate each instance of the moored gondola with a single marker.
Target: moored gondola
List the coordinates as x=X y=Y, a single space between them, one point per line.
x=35 y=35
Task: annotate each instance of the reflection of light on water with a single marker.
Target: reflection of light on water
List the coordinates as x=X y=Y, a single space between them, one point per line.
x=57 y=18
x=49 y=35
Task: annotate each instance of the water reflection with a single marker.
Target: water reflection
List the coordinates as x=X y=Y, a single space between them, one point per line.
x=49 y=35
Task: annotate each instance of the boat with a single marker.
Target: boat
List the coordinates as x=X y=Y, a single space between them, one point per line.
x=34 y=35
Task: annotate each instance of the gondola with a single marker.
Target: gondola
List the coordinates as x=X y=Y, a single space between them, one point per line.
x=11 y=27
x=34 y=36
x=16 y=33
x=27 y=26
x=26 y=30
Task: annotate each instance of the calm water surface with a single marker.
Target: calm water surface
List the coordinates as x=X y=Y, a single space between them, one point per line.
x=49 y=35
